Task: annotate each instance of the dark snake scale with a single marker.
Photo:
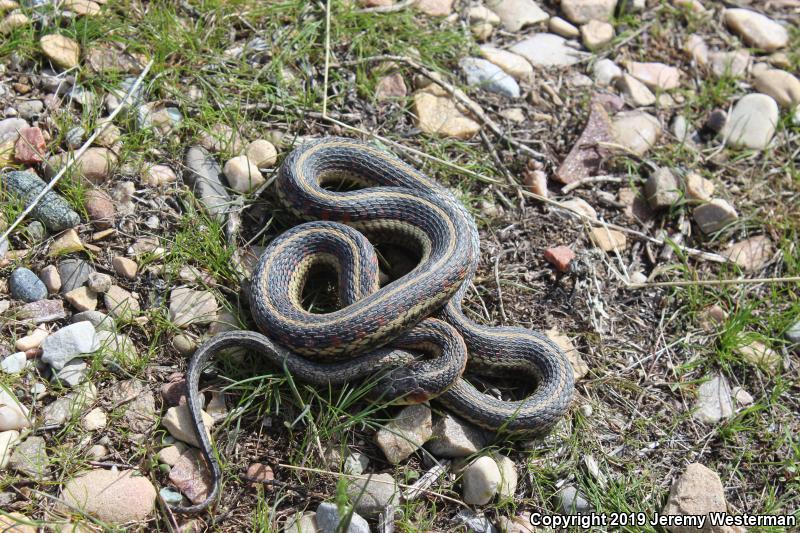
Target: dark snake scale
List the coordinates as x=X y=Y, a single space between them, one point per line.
x=380 y=331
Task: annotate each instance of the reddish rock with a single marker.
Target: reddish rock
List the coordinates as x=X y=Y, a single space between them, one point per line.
x=258 y=474
x=174 y=393
x=586 y=156
x=192 y=476
x=42 y=311
x=30 y=146
x=100 y=209
x=560 y=257
x=391 y=86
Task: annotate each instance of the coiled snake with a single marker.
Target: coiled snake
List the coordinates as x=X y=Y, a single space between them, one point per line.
x=376 y=326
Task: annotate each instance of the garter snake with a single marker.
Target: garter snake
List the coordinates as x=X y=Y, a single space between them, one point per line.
x=396 y=204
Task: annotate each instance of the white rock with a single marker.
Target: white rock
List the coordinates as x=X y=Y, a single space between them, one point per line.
x=515 y=14
x=508 y=477
x=13 y=415
x=596 y=34
x=697 y=492
x=94 y=420
x=486 y=75
x=636 y=91
x=548 y=50
x=69 y=342
x=188 y=306
x=405 y=433
x=261 y=153
x=713 y=400
x=34 y=340
x=636 y=130
x=582 y=11
x=481 y=480
x=14 y=363
x=178 y=422
x=242 y=174
x=7 y=441
x=606 y=72
x=158 y=175
x=563 y=28
x=752 y=122
x=731 y=63
x=655 y=75
x=756 y=29
x=780 y=85
x=512 y=64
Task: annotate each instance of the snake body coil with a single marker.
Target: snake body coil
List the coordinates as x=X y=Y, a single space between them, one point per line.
x=377 y=326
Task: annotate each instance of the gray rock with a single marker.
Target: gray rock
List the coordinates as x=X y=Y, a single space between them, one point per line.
x=714 y=215
x=10 y=128
x=170 y=496
x=42 y=311
x=203 y=174
x=662 y=189
x=35 y=232
x=487 y=75
x=714 y=400
x=454 y=438
x=73 y=374
x=100 y=320
x=69 y=406
x=405 y=433
x=606 y=72
x=68 y=343
x=14 y=363
x=370 y=496
x=752 y=122
x=74 y=273
x=74 y=137
x=30 y=458
x=548 y=50
x=52 y=211
x=354 y=464
x=793 y=333
x=26 y=286
x=572 y=501
x=478 y=523
x=29 y=109
x=328 y=520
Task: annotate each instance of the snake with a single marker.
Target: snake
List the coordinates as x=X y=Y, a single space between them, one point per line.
x=412 y=333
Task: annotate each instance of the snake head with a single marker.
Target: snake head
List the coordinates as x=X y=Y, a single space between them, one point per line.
x=401 y=386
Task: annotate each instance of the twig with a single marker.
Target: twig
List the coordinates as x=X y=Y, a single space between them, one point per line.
x=712 y=282
x=77 y=155
x=268 y=106
x=587 y=181
x=327 y=57
x=399 y=6
x=427 y=479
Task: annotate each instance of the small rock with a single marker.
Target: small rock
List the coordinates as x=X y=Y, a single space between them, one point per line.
x=762 y=356
x=69 y=342
x=301 y=522
x=328 y=520
x=66 y=243
x=636 y=130
x=516 y=14
x=12 y=21
x=372 y=495
x=174 y=393
x=13 y=415
x=756 y=29
x=33 y=340
x=184 y=344
x=699 y=188
x=109 y=137
x=752 y=122
x=508 y=477
x=572 y=501
x=203 y=175
x=16 y=522
x=94 y=420
x=222 y=137
x=697 y=492
x=750 y=254
x=14 y=363
x=434 y=8
x=473 y=522
x=160 y=175
x=178 y=422
x=42 y=311
x=560 y=257
x=100 y=209
x=99 y=282
x=636 y=91
x=729 y=64
x=563 y=28
x=99 y=320
x=596 y=34
x=548 y=50
x=742 y=397
x=170 y=496
x=113 y=496
x=606 y=72
x=62 y=51
x=51 y=278
x=53 y=211
x=120 y=303
x=8 y=439
x=171 y=454
x=439 y=114
x=405 y=433
x=216 y=407
x=30 y=147
x=192 y=475
x=655 y=75
x=662 y=189
x=74 y=273
x=74 y=137
x=82 y=299
x=713 y=400
x=583 y=11
x=793 y=333
x=579 y=366
x=122 y=194
x=98 y=452
x=164 y=120
x=514 y=65
x=580 y=206
x=69 y=406
x=95 y=165
x=117 y=348
x=262 y=153
x=388 y=88
x=30 y=458
x=24 y=285
x=243 y=176
x=480 y=481
x=452 y=437
x=30 y=109
x=608 y=239
x=125 y=267
x=585 y=157
x=487 y=75
x=714 y=216
x=780 y=85
x=188 y=306
x=73 y=374
x=260 y=474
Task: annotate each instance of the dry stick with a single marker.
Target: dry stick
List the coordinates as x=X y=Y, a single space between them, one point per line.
x=712 y=282
x=399 y=6
x=77 y=155
x=591 y=180
x=327 y=57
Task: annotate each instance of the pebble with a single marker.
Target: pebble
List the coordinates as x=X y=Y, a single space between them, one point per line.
x=596 y=34
x=548 y=50
x=583 y=11
x=113 y=496
x=713 y=400
x=10 y=127
x=262 y=153
x=636 y=91
x=581 y=206
x=192 y=475
x=636 y=130
x=69 y=405
x=486 y=75
x=756 y=29
x=42 y=311
x=51 y=278
x=585 y=157
x=95 y=165
x=73 y=374
x=221 y=137
x=242 y=174
x=405 y=433
x=171 y=454
x=159 y=175
x=62 y=51
x=30 y=147
x=82 y=299
x=66 y=243
x=14 y=363
x=259 y=474
x=579 y=366
x=698 y=491
x=53 y=211
x=563 y=28
x=761 y=355
x=434 y=8
x=24 y=285
x=388 y=87
x=699 y=188
x=437 y=113
x=8 y=439
x=98 y=452
x=30 y=458
x=94 y=420
x=608 y=240
x=729 y=63
x=508 y=477
x=751 y=254
x=188 y=307
x=125 y=267
x=170 y=497
x=372 y=495
x=203 y=176
x=184 y=344
x=793 y=333
x=480 y=481
x=301 y=522
x=100 y=321
x=662 y=189
x=560 y=257
x=178 y=422
x=69 y=342
x=655 y=75
x=752 y=122
x=99 y=282
x=109 y=137
x=783 y=86
x=100 y=209
x=516 y=14
x=474 y=522
x=163 y=119
x=714 y=216
x=514 y=65
x=29 y=109
x=13 y=415
x=606 y=72
x=12 y=21
x=120 y=303
x=117 y=347
x=572 y=501
x=32 y=340
x=74 y=273
x=328 y=520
